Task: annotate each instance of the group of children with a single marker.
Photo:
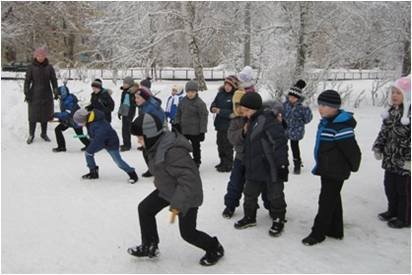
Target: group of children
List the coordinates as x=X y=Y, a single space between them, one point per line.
x=258 y=132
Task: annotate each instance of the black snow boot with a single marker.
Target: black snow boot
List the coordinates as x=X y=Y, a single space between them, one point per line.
x=298 y=164
x=147 y=174
x=386 y=216
x=59 y=149
x=245 y=223
x=396 y=223
x=145 y=250
x=311 y=240
x=228 y=213
x=277 y=227
x=83 y=149
x=45 y=137
x=94 y=174
x=30 y=140
x=213 y=256
x=133 y=177
x=124 y=148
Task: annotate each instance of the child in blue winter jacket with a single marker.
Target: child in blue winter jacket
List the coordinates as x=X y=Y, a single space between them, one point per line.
x=296 y=116
x=172 y=103
x=337 y=154
x=68 y=105
x=102 y=136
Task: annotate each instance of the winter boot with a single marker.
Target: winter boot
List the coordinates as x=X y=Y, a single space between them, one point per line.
x=133 y=177
x=30 y=140
x=224 y=168
x=212 y=257
x=396 y=223
x=217 y=166
x=311 y=240
x=228 y=213
x=277 y=227
x=385 y=216
x=83 y=149
x=45 y=137
x=147 y=174
x=245 y=223
x=298 y=164
x=145 y=250
x=59 y=149
x=94 y=174
x=124 y=148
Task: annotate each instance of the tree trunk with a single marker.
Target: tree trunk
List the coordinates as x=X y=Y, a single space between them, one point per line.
x=189 y=14
x=301 y=49
x=406 y=64
x=246 y=45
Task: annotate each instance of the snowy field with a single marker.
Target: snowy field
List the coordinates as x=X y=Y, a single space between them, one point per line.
x=54 y=222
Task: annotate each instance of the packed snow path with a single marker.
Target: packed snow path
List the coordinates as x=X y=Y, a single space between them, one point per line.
x=54 y=222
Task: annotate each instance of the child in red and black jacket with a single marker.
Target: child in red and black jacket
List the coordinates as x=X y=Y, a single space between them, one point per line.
x=337 y=154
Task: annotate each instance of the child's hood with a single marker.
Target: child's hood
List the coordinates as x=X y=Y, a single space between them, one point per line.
x=346 y=118
x=169 y=140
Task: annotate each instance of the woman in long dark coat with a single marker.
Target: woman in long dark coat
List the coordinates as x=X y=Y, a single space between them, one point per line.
x=39 y=94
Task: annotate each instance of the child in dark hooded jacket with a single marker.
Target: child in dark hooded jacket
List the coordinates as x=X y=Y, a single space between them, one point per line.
x=178 y=185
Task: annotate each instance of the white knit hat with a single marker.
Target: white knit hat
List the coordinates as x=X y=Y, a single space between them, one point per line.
x=246 y=77
x=403 y=84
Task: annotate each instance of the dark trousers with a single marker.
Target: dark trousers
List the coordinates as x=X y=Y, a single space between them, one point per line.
x=152 y=205
x=275 y=196
x=294 y=145
x=235 y=187
x=61 y=143
x=225 y=148
x=329 y=220
x=397 y=189
x=195 y=141
x=32 y=128
x=126 y=125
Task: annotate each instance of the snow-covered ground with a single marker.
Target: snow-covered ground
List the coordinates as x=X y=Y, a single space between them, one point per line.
x=54 y=222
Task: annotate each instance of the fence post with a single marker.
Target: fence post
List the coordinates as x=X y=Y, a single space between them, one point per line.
x=173 y=74
x=187 y=76
x=132 y=72
x=101 y=74
x=211 y=74
x=69 y=74
x=160 y=73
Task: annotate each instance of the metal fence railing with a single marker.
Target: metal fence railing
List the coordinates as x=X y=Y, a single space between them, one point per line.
x=210 y=74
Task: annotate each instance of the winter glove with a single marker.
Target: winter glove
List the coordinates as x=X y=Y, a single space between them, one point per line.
x=173 y=215
x=283 y=173
x=27 y=99
x=202 y=137
x=89 y=108
x=378 y=155
x=407 y=165
x=56 y=94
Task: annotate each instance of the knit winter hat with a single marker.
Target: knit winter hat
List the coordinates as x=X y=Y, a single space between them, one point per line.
x=146 y=82
x=297 y=89
x=144 y=92
x=275 y=106
x=97 y=83
x=80 y=116
x=252 y=101
x=192 y=86
x=233 y=81
x=128 y=80
x=146 y=125
x=403 y=84
x=40 y=51
x=330 y=98
x=237 y=96
x=246 y=77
